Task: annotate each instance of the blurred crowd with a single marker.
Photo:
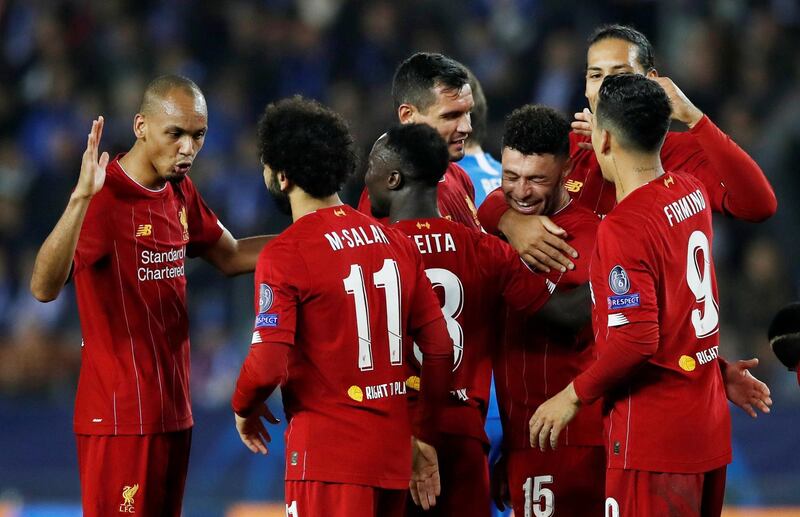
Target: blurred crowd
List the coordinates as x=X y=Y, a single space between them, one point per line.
x=63 y=62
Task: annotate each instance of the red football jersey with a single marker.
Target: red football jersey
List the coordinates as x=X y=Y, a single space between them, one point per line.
x=475 y=276
x=533 y=366
x=131 y=290
x=653 y=264
x=456 y=196
x=346 y=294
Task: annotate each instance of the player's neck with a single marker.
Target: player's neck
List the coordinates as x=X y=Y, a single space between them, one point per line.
x=631 y=171
x=303 y=204
x=415 y=203
x=138 y=167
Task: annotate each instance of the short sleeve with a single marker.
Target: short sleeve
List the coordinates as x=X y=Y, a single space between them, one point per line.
x=276 y=296
x=204 y=227
x=631 y=283
x=94 y=239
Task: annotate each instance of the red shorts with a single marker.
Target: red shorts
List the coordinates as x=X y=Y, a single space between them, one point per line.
x=637 y=493
x=313 y=498
x=133 y=474
x=464 y=472
x=566 y=481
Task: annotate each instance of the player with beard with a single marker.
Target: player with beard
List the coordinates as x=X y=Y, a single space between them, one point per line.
x=129 y=225
x=339 y=301
x=434 y=89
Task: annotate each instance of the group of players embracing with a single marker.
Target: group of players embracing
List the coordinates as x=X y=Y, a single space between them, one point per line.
x=383 y=326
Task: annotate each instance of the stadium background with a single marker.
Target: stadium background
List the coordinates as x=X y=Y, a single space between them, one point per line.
x=63 y=62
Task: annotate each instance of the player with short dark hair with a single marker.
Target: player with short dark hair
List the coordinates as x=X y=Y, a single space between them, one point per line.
x=656 y=323
x=434 y=89
x=339 y=301
x=476 y=276
x=645 y=55
x=534 y=363
x=128 y=227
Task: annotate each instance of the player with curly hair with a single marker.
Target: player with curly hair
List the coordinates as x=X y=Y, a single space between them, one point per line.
x=339 y=301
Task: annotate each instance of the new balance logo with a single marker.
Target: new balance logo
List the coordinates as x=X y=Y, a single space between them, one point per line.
x=144 y=230
x=573 y=186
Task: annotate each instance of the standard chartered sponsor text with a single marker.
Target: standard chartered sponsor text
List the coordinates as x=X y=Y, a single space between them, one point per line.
x=148 y=257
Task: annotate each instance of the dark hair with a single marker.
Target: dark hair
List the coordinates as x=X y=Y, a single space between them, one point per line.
x=479 y=111
x=644 y=54
x=417 y=76
x=537 y=129
x=162 y=85
x=420 y=150
x=309 y=143
x=636 y=109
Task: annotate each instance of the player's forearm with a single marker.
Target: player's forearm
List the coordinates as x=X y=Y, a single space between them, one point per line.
x=236 y=256
x=435 y=377
x=491 y=211
x=749 y=195
x=628 y=348
x=54 y=260
x=264 y=369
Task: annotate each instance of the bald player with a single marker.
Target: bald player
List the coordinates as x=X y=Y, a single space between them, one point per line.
x=123 y=239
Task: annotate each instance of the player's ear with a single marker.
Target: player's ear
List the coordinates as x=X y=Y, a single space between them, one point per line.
x=283 y=181
x=652 y=73
x=139 y=126
x=394 y=180
x=405 y=113
x=605 y=141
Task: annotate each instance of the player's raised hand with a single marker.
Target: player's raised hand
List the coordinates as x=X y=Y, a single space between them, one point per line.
x=682 y=108
x=93 y=169
x=743 y=389
x=582 y=125
x=425 y=483
x=552 y=417
x=538 y=240
x=252 y=430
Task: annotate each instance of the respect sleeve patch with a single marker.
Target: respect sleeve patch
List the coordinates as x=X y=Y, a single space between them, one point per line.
x=623 y=301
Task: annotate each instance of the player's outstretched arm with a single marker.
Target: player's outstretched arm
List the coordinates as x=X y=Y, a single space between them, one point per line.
x=236 y=256
x=54 y=260
x=747 y=193
x=425 y=484
x=743 y=389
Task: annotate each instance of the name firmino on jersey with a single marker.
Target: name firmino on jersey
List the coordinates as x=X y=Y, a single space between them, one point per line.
x=685 y=207
x=357 y=236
